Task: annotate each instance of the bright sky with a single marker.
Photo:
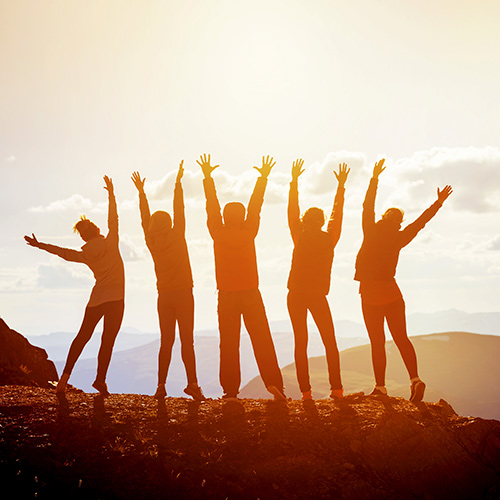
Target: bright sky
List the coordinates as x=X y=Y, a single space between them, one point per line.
x=92 y=88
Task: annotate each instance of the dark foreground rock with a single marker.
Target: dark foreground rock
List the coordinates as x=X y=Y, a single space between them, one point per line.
x=22 y=363
x=129 y=446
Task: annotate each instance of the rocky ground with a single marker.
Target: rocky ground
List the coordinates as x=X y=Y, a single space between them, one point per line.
x=130 y=446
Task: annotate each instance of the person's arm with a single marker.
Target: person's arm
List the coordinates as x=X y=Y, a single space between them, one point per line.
x=179 y=215
x=257 y=198
x=335 y=221
x=143 y=202
x=293 y=201
x=368 y=219
x=112 y=208
x=65 y=253
x=410 y=231
x=214 y=216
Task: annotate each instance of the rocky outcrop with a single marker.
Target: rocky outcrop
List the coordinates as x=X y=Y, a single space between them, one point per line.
x=22 y=363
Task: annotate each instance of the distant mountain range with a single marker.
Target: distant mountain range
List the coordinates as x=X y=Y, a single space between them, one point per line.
x=461 y=368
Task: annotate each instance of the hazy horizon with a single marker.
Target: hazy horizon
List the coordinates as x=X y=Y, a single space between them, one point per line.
x=91 y=89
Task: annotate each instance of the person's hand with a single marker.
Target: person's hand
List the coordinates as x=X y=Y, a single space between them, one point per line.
x=297 y=169
x=267 y=165
x=342 y=174
x=180 y=172
x=32 y=242
x=444 y=193
x=378 y=168
x=109 y=184
x=138 y=182
x=206 y=168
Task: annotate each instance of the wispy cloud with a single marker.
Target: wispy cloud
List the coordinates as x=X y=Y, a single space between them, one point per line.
x=76 y=203
x=10 y=159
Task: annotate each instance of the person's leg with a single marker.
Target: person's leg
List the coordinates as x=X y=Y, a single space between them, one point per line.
x=229 y=315
x=396 y=321
x=320 y=311
x=167 y=319
x=113 y=316
x=185 y=320
x=298 y=316
x=254 y=316
x=374 y=322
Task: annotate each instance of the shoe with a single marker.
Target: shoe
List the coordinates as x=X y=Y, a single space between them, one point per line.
x=160 y=393
x=278 y=394
x=417 y=391
x=377 y=392
x=337 y=393
x=307 y=396
x=101 y=387
x=229 y=397
x=194 y=390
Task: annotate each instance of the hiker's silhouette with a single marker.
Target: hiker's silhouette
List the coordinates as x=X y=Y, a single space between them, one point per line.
x=381 y=298
x=102 y=255
x=309 y=279
x=238 y=282
x=174 y=281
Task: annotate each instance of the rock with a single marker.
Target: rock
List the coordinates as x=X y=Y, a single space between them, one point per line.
x=22 y=363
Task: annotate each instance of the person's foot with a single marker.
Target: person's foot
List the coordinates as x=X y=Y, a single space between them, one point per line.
x=278 y=394
x=229 y=397
x=61 y=385
x=307 y=396
x=337 y=393
x=417 y=391
x=194 y=390
x=161 y=392
x=101 y=387
x=379 y=391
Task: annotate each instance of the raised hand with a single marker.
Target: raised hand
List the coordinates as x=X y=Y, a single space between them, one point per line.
x=444 y=193
x=206 y=168
x=109 y=184
x=297 y=169
x=342 y=174
x=378 y=168
x=32 y=242
x=267 y=165
x=138 y=182
x=180 y=172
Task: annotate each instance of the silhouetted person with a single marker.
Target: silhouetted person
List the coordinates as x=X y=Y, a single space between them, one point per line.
x=102 y=255
x=238 y=282
x=381 y=298
x=309 y=279
x=168 y=248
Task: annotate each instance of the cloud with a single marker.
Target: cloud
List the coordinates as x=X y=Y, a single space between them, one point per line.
x=473 y=173
x=10 y=159
x=129 y=250
x=494 y=244
x=62 y=276
x=76 y=203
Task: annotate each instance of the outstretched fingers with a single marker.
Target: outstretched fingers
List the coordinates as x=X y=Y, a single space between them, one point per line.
x=443 y=194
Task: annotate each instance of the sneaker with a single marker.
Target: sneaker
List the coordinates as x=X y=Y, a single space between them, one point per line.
x=194 y=390
x=377 y=392
x=278 y=394
x=417 y=391
x=307 y=396
x=337 y=393
x=101 y=387
x=160 y=393
x=229 y=397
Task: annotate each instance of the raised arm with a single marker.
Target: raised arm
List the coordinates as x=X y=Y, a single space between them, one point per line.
x=143 y=201
x=179 y=216
x=214 y=216
x=410 y=231
x=257 y=198
x=293 y=201
x=65 y=253
x=368 y=220
x=335 y=221
x=112 y=209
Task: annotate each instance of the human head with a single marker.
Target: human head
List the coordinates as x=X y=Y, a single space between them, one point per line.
x=86 y=229
x=159 y=222
x=393 y=217
x=313 y=218
x=234 y=213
